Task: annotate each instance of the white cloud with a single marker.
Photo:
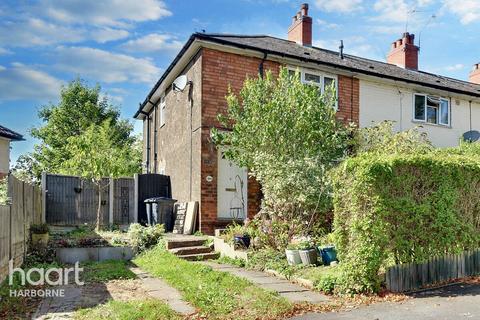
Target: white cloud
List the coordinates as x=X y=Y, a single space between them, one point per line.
x=392 y=10
x=153 y=42
x=342 y=6
x=4 y=51
x=105 y=66
x=36 y=32
x=455 y=67
x=105 y=12
x=467 y=10
x=21 y=82
x=108 y=34
x=326 y=25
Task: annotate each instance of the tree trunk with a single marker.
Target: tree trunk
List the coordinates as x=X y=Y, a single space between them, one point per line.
x=99 y=208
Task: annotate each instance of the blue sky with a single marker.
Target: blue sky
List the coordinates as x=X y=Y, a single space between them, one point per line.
x=125 y=45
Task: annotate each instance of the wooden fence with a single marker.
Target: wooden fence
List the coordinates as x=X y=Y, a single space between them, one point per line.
x=15 y=220
x=72 y=201
x=413 y=276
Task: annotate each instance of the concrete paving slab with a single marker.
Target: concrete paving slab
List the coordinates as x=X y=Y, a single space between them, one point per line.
x=292 y=292
x=159 y=289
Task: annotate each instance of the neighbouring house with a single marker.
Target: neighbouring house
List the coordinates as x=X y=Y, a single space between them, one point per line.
x=6 y=136
x=177 y=123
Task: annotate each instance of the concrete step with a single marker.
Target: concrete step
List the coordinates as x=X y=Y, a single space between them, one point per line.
x=190 y=250
x=201 y=256
x=173 y=244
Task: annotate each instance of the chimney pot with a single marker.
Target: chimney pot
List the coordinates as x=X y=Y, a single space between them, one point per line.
x=301 y=29
x=304 y=9
x=404 y=52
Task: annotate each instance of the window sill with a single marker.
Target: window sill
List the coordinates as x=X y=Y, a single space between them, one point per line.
x=447 y=126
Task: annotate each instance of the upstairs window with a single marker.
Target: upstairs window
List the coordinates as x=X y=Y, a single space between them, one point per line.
x=323 y=81
x=163 y=105
x=431 y=109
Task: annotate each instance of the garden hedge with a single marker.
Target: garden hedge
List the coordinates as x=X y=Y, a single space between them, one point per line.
x=403 y=208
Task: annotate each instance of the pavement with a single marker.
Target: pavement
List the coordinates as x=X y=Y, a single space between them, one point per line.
x=459 y=301
x=290 y=291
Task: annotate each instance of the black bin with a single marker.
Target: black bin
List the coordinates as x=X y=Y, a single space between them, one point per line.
x=160 y=211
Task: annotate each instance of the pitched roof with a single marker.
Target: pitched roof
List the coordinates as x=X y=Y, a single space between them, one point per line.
x=10 y=134
x=292 y=50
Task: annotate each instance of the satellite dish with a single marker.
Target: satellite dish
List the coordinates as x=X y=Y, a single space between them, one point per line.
x=471 y=136
x=180 y=83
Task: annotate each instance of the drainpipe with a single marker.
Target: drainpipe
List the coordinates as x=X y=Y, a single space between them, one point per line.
x=147 y=162
x=260 y=66
x=155 y=138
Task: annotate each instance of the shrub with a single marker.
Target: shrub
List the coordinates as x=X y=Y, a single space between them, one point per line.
x=39 y=228
x=142 y=238
x=287 y=135
x=403 y=208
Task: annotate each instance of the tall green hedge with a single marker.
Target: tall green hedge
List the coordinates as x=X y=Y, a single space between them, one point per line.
x=403 y=208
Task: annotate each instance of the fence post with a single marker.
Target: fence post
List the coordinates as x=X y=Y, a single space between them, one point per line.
x=111 y=189
x=135 y=195
x=44 y=197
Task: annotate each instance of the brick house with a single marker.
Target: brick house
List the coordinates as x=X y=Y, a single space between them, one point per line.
x=177 y=123
x=6 y=136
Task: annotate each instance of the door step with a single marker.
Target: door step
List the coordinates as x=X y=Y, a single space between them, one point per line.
x=201 y=256
x=190 y=250
x=174 y=244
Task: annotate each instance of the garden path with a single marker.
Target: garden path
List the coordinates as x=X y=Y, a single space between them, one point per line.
x=292 y=292
x=159 y=289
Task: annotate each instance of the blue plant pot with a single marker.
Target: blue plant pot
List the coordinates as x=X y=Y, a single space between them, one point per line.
x=242 y=241
x=328 y=254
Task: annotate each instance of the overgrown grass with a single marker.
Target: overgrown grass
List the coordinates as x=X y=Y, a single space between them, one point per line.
x=132 y=310
x=217 y=295
x=106 y=270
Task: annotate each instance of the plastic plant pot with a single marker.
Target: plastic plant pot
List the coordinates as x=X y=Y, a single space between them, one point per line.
x=242 y=241
x=293 y=257
x=308 y=256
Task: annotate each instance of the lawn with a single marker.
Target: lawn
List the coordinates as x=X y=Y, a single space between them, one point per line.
x=106 y=270
x=217 y=295
x=132 y=310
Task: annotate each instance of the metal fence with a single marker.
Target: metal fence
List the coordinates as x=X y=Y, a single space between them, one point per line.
x=413 y=276
x=15 y=220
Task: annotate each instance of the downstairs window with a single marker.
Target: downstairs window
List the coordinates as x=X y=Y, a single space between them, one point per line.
x=431 y=109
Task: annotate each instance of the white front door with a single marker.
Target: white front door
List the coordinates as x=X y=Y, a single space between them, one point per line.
x=231 y=190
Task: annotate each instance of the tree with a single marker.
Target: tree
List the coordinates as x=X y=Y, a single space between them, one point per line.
x=24 y=169
x=287 y=135
x=80 y=107
x=96 y=154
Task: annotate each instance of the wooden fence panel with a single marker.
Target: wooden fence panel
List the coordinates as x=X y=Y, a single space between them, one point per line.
x=18 y=235
x=413 y=276
x=123 y=200
x=4 y=240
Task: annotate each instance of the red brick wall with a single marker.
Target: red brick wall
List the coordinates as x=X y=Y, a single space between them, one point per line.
x=348 y=99
x=219 y=70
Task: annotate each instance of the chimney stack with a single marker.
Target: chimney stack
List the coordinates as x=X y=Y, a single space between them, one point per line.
x=404 y=52
x=475 y=74
x=301 y=29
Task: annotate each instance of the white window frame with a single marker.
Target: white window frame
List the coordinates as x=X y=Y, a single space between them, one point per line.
x=439 y=111
x=320 y=84
x=163 y=105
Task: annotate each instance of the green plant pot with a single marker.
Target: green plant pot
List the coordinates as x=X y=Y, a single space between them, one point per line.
x=293 y=257
x=40 y=239
x=308 y=256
